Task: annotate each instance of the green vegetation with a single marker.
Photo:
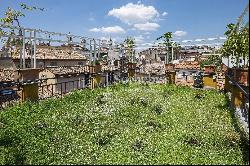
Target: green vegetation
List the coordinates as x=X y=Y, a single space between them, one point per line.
x=129 y=43
x=169 y=44
x=237 y=44
x=123 y=124
x=212 y=60
x=12 y=17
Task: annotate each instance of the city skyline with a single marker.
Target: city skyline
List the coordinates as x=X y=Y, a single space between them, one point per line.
x=144 y=20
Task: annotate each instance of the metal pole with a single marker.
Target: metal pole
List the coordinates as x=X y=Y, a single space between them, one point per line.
x=172 y=53
x=99 y=51
x=31 y=51
x=94 y=51
x=34 y=43
x=21 y=56
x=132 y=55
x=167 y=55
x=23 y=51
x=90 y=48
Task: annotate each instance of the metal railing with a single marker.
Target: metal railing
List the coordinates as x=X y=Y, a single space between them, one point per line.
x=11 y=92
x=242 y=110
x=59 y=89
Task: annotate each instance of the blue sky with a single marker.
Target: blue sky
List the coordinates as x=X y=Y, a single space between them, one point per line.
x=144 y=20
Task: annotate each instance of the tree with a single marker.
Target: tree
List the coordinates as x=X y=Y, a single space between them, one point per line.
x=167 y=42
x=237 y=44
x=12 y=17
x=130 y=44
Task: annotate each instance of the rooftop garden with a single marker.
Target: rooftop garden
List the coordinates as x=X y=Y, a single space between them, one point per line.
x=124 y=124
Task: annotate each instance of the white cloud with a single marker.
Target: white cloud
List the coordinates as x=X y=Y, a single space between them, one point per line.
x=212 y=38
x=95 y=30
x=139 y=39
x=180 y=33
x=199 y=40
x=185 y=41
x=146 y=44
x=104 y=38
x=147 y=33
x=134 y=13
x=164 y=14
x=147 y=26
x=114 y=29
x=222 y=38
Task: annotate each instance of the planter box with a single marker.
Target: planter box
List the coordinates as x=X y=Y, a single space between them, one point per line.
x=95 y=69
x=209 y=69
x=171 y=77
x=209 y=81
x=98 y=68
x=170 y=66
x=131 y=73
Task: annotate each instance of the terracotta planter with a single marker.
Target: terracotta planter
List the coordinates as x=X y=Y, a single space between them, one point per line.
x=209 y=69
x=241 y=76
x=95 y=69
x=98 y=68
x=170 y=66
x=131 y=65
x=224 y=68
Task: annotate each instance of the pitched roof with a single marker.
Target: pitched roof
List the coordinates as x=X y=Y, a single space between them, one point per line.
x=62 y=70
x=7 y=70
x=53 y=52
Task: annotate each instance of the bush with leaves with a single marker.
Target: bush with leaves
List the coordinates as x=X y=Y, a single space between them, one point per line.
x=237 y=44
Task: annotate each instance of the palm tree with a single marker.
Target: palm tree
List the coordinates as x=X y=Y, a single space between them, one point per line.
x=167 y=42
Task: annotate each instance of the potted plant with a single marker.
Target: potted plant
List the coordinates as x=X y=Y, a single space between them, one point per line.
x=169 y=66
x=208 y=69
x=240 y=75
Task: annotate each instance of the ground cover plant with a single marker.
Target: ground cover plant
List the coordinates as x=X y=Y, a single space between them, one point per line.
x=123 y=124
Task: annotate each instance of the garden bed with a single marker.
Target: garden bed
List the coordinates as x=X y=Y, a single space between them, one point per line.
x=123 y=124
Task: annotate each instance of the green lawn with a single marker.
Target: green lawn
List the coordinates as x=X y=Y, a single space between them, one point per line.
x=123 y=124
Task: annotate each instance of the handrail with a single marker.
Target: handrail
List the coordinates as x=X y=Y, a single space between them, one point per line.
x=238 y=85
